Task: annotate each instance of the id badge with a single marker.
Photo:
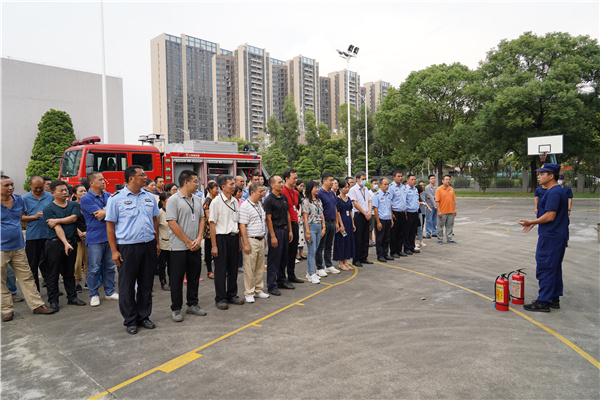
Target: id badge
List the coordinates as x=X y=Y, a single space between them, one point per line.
x=235 y=217
x=347 y=213
x=294 y=207
x=193 y=217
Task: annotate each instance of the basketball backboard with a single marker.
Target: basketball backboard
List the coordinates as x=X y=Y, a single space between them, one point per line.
x=545 y=144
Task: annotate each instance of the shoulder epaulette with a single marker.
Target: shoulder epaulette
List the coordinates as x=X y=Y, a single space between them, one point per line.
x=115 y=193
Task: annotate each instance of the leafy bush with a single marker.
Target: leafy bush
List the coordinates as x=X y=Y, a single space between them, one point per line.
x=461 y=182
x=505 y=183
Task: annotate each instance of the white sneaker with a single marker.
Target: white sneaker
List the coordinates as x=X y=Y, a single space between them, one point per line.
x=297 y=261
x=417 y=247
x=314 y=278
x=321 y=272
x=333 y=270
x=423 y=244
x=95 y=301
x=249 y=299
x=114 y=296
x=262 y=295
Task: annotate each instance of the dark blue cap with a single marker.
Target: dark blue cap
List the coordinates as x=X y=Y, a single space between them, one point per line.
x=549 y=167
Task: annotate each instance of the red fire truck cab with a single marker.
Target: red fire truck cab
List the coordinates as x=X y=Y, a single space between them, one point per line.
x=208 y=159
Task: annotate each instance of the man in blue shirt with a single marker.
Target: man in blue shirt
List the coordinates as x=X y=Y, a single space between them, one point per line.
x=412 y=215
x=132 y=232
x=553 y=234
x=37 y=229
x=397 y=234
x=93 y=208
x=12 y=250
x=382 y=205
x=330 y=212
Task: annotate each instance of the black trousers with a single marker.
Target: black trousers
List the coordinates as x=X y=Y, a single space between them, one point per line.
x=139 y=264
x=397 y=232
x=412 y=224
x=184 y=263
x=382 y=243
x=361 y=237
x=35 y=256
x=292 y=251
x=277 y=259
x=162 y=266
x=226 y=267
x=207 y=255
x=58 y=263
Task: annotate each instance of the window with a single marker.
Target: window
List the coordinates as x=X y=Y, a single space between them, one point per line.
x=110 y=162
x=143 y=159
x=70 y=163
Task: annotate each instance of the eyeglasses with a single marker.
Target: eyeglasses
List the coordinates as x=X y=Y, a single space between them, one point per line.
x=141 y=175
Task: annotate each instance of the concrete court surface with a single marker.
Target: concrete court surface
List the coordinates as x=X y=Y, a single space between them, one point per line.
x=419 y=327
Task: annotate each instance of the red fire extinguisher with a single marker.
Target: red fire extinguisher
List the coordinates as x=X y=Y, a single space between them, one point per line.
x=502 y=294
x=517 y=286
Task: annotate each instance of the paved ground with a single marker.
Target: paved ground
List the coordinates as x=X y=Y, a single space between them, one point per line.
x=419 y=327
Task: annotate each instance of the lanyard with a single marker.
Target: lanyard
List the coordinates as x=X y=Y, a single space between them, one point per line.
x=191 y=206
x=256 y=208
x=293 y=197
x=227 y=205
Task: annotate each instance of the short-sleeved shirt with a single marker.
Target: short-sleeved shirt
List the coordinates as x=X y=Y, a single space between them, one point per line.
x=277 y=207
x=12 y=233
x=188 y=214
x=555 y=200
x=206 y=207
x=163 y=230
x=313 y=210
x=446 y=198
x=253 y=216
x=329 y=203
x=568 y=191
x=412 y=199
x=361 y=195
x=430 y=195
x=133 y=216
x=398 y=194
x=293 y=199
x=540 y=192
x=383 y=202
x=225 y=214
x=53 y=211
x=96 y=230
x=38 y=228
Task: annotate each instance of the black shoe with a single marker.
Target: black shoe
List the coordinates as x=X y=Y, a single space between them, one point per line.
x=537 y=306
x=408 y=253
x=235 y=300
x=132 y=329
x=365 y=261
x=286 y=285
x=54 y=306
x=222 y=305
x=395 y=255
x=78 y=288
x=60 y=293
x=555 y=304
x=381 y=259
x=428 y=237
x=295 y=280
x=275 y=292
x=390 y=258
x=358 y=264
x=146 y=323
x=416 y=251
x=76 y=302
x=43 y=283
x=434 y=235
x=402 y=254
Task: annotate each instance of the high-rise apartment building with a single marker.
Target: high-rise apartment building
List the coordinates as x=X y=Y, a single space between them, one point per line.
x=375 y=92
x=338 y=93
x=224 y=85
x=253 y=90
x=325 y=104
x=304 y=85
x=279 y=79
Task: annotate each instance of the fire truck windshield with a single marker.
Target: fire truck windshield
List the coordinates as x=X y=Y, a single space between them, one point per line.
x=70 y=163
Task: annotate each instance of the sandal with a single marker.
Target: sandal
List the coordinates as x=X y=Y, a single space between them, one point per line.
x=349 y=267
x=343 y=267
x=211 y=275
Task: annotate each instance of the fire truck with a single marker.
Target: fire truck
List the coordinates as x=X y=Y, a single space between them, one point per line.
x=209 y=160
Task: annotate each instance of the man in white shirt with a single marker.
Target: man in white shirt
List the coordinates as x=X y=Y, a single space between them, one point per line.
x=361 y=200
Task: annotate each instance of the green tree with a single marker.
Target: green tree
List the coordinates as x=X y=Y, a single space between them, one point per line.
x=312 y=131
x=306 y=169
x=333 y=165
x=273 y=130
x=539 y=86
x=290 y=135
x=275 y=161
x=55 y=135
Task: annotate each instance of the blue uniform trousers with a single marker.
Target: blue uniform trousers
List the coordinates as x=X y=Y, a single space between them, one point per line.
x=277 y=259
x=549 y=256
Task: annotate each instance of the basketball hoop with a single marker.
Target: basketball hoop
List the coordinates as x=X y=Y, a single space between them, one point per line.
x=543 y=156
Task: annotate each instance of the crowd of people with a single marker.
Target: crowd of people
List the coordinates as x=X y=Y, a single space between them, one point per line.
x=147 y=228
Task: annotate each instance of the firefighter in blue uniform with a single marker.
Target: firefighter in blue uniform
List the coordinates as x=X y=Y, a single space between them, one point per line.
x=553 y=234
x=132 y=230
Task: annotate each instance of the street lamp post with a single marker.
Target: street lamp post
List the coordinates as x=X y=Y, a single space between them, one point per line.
x=366 y=138
x=347 y=55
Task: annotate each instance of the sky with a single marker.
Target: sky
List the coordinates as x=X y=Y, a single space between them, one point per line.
x=394 y=37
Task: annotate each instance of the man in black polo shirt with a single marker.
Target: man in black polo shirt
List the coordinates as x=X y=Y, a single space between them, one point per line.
x=280 y=235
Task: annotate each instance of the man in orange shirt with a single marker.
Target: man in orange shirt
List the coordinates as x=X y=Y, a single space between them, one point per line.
x=445 y=204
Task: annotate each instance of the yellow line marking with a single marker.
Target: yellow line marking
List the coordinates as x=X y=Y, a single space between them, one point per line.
x=257 y=325
x=326 y=284
x=589 y=209
x=488 y=208
x=566 y=341
x=299 y=304
x=192 y=355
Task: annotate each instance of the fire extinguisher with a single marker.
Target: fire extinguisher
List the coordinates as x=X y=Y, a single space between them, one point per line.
x=517 y=286
x=502 y=294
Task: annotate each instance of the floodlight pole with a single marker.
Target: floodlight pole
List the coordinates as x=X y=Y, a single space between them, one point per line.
x=348 y=99
x=366 y=138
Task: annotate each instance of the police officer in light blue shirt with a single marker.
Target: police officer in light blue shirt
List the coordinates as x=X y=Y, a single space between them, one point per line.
x=382 y=205
x=132 y=230
x=399 y=216
x=412 y=215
